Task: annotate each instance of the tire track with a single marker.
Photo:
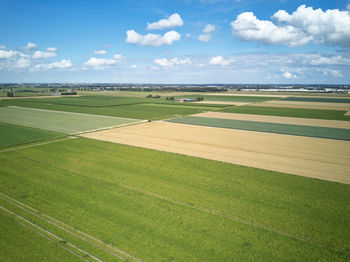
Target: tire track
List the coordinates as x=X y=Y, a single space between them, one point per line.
x=75 y=232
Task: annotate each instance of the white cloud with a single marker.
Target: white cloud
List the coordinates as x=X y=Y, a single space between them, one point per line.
x=164 y=62
x=29 y=46
x=204 y=37
x=51 y=49
x=296 y=29
x=152 y=39
x=100 y=52
x=43 y=54
x=188 y=35
x=4 y=54
x=2 y=47
x=335 y=73
x=289 y=75
x=172 y=21
x=133 y=66
x=63 y=64
x=118 y=57
x=348 y=7
x=22 y=63
x=219 y=61
x=209 y=28
x=98 y=62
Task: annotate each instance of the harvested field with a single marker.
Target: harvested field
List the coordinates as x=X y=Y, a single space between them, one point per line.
x=302 y=103
x=340 y=108
x=311 y=157
x=277 y=119
x=347 y=113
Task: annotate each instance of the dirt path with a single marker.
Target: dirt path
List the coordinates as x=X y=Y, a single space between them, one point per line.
x=278 y=119
x=311 y=157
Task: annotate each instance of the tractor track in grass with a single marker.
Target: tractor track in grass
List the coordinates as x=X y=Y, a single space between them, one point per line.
x=49 y=236
x=210 y=211
x=71 y=230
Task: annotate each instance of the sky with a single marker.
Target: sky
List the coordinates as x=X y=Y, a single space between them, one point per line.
x=175 y=42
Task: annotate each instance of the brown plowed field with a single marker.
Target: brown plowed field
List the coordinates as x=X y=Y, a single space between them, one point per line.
x=278 y=119
x=312 y=157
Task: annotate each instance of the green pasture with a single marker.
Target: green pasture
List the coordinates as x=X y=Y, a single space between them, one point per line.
x=15 y=135
x=318 y=99
x=18 y=243
x=232 y=98
x=287 y=129
x=160 y=206
x=63 y=122
x=290 y=112
x=136 y=111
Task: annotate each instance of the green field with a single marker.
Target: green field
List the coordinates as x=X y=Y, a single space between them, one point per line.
x=318 y=99
x=18 y=243
x=290 y=112
x=229 y=98
x=62 y=122
x=287 y=129
x=160 y=110
x=15 y=135
x=159 y=206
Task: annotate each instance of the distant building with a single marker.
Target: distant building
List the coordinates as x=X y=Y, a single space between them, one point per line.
x=186 y=99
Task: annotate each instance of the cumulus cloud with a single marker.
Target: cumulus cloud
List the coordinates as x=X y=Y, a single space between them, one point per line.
x=30 y=46
x=101 y=63
x=296 y=29
x=152 y=39
x=133 y=66
x=118 y=57
x=43 y=54
x=172 y=21
x=204 y=37
x=209 y=28
x=164 y=62
x=2 y=47
x=63 y=64
x=22 y=63
x=289 y=75
x=100 y=52
x=4 y=54
x=51 y=49
x=335 y=73
x=219 y=61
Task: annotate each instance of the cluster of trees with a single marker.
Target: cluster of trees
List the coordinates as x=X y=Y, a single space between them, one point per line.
x=170 y=98
x=150 y=96
x=199 y=98
x=69 y=93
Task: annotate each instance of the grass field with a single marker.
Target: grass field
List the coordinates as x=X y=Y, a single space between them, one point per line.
x=287 y=129
x=19 y=243
x=62 y=122
x=290 y=112
x=160 y=206
x=15 y=135
x=136 y=111
x=233 y=98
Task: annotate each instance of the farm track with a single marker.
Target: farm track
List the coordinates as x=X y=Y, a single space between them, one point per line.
x=207 y=210
x=37 y=144
x=75 y=232
x=47 y=235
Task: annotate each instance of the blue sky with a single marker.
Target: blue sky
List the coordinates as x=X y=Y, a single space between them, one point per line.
x=189 y=41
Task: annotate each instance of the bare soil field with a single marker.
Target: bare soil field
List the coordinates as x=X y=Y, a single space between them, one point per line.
x=311 y=157
x=277 y=119
x=305 y=106
x=347 y=113
x=321 y=105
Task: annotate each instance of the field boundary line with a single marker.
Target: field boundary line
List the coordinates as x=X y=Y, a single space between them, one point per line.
x=51 y=234
x=108 y=127
x=73 y=113
x=38 y=144
x=106 y=247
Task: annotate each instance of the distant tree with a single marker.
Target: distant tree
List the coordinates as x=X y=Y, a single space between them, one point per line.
x=149 y=96
x=10 y=94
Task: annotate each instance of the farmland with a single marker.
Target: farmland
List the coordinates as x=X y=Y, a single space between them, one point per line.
x=211 y=215
x=17 y=135
x=210 y=182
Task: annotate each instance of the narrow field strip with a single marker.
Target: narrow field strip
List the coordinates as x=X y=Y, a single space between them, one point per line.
x=269 y=127
x=307 y=103
x=318 y=99
x=77 y=233
x=37 y=144
x=277 y=119
x=59 y=121
x=48 y=235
